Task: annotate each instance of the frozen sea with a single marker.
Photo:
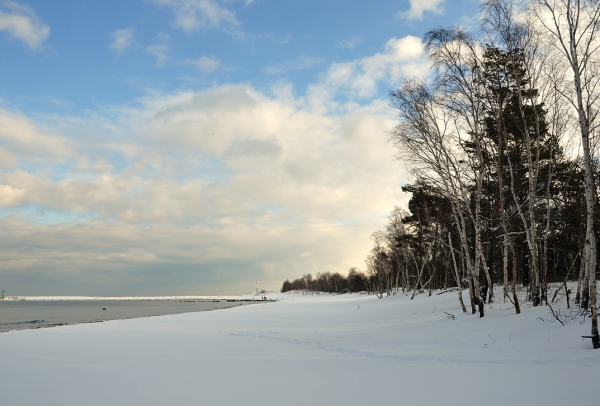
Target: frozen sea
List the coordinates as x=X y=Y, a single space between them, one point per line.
x=33 y=314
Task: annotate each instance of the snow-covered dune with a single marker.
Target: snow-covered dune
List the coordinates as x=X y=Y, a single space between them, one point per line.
x=308 y=350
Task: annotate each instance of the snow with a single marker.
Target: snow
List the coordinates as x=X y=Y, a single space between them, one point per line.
x=304 y=349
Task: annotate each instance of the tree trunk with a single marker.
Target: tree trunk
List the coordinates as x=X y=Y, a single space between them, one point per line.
x=580 y=277
x=581 y=20
x=514 y=281
x=457 y=275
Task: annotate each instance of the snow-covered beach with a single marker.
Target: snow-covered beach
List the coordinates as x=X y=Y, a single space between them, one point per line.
x=307 y=349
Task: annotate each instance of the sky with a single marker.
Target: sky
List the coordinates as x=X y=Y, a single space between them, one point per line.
x=193 y=147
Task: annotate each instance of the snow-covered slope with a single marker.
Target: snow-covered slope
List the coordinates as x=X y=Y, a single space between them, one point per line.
x=308 y=350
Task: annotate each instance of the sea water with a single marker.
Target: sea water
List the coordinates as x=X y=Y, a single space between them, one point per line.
x=26 y=314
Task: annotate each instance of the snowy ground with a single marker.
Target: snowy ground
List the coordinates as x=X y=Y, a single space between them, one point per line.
x=307 y=350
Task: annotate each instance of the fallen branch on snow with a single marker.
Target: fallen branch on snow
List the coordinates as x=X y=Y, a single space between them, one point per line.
x=446 y=291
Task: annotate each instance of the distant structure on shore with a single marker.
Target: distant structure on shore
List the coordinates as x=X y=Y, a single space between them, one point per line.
x=256 y=287
x=2 y=296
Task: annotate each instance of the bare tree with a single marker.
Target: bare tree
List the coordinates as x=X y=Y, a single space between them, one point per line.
x=378 y=265
x=425 y=140
x=397 y=234
x=456 y=56
x=572 y=27
x=456 y=274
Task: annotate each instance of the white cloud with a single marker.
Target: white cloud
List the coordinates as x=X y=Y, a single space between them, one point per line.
x=21 y=22
x=352 y=42
x=205 y=64
x=10 y=196
x=184 y=190
x=299 y=63
x=214 y=179
x=160 y=50
x=7 y=158
x=419 y=7
x=122 y=39
x=191 y=15
x=359 y=79
x=285 y=40
x=24 y=138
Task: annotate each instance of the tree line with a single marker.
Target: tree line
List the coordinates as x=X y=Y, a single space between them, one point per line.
x=328 y=282
x=501 y=143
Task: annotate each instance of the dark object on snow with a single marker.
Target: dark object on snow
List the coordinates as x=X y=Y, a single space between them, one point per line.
x=595 y=340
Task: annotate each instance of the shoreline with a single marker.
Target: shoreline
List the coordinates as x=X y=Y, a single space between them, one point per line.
x=37 y=314
x=126 y=298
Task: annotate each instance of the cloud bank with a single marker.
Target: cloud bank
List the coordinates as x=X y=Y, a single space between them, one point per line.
x=199 y=192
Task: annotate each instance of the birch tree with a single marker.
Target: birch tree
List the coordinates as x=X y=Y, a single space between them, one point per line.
x=425 y=141
x=573 y=27
x=456 y=57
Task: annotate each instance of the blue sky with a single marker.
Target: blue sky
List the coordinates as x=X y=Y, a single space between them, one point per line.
x=193 y=146
x=82 y=62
